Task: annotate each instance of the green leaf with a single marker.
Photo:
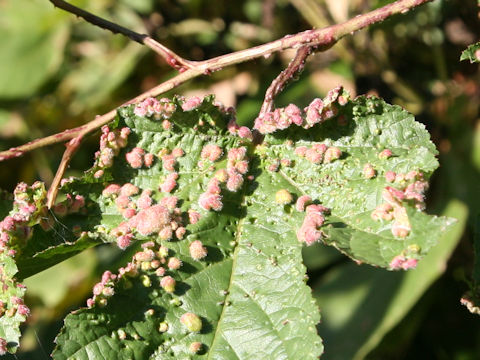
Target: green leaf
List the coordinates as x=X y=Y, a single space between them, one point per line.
x=363 y=128
x=249 y=291
x=471 y=53
x=11 y=298
x=363 y=304
x=152 y=180
x=32 y=48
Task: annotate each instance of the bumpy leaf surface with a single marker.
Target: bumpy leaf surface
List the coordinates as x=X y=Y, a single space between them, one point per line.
x=364 y=129
x=248 y=291
x=183 y=181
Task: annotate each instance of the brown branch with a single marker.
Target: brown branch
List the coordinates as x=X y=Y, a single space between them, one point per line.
x=325 y=37
x=294 y=67
x=174 y=60
x=72 y=147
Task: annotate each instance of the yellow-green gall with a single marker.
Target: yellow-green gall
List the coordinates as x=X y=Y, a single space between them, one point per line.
x=192 y=322
x=163 y=327
x=283 y=197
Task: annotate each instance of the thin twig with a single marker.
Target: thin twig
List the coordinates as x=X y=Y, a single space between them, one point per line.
x=174 y=60
x=72 y=146
x=321 y=38
x=293 y=69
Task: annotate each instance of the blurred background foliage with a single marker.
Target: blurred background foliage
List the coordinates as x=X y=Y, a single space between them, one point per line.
x=58 y=72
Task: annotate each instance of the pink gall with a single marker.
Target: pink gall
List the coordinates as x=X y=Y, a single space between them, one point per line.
x=111 y=190
x=313 y=156
x=301 y=151
x=237 y=154
x=180 y=232
x=210 y=201
x=213 y=186
x=211 y=152
x=400 y=230
x=397 y=262
x=167 y=125
x=166 y=233
x=232 y=126
x=135 y=157
x=174 y=263
x=302 y=202
x=170 y=183
x=235 y=181
x=390 y=176
x=124 y=241
x=197 y=250
x=129 y=190
x=195 y=347
x=148 y=159
x=410 y=264
x=385 y=154
x=245 y=133
x=177 y=152
x=168 y=284
x=151 y=220
x=122 y=202
x=191 y=103
x=98 y=174
x=331 y=154
x=170 y=202
x=242 y=166
x=90 y=303
x=160 y=271
x=168 y=162
x=193 y=216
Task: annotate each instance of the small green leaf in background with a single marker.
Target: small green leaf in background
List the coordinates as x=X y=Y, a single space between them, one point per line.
x=34 y=37
x=471 y=53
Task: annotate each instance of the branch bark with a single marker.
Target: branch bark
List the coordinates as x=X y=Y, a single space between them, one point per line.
x=72 y=147
x=319 y=38
x=294 y=68
x=172 y=59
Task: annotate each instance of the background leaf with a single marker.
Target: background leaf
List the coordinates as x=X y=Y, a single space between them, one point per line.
x=471 y=53
x=32 y=48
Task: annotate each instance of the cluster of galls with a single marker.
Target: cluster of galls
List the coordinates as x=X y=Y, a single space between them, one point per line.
x=156 y=109
x=319 y=153
x=413 y=189
x=317 y=112
x=232 y=176
x=28 y=209
x=309 y=232
x=407 y=259
x=150 y=265
x=142 y=216
x=111 y=141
